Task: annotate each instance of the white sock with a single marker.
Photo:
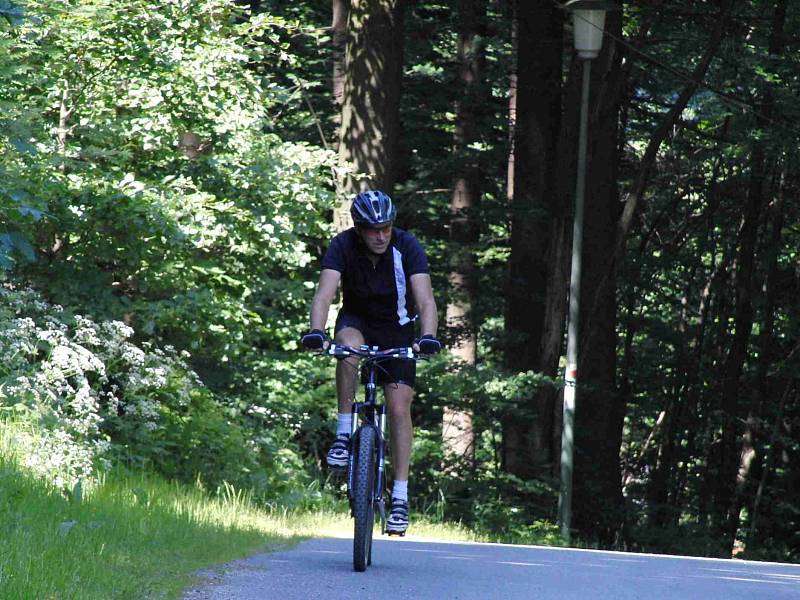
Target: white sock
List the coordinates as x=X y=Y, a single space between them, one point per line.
x=400 y=490
x=344 y=424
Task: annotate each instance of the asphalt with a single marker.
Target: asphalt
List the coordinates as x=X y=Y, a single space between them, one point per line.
x=405 y=569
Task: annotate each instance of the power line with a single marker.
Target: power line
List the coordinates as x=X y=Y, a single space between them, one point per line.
x=685 y=76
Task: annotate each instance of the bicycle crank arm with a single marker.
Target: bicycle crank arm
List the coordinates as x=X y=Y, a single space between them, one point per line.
x=382 y=513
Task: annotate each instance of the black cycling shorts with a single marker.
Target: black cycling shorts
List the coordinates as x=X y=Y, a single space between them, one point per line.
x=395 y=370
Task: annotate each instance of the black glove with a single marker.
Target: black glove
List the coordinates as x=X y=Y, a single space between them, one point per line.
x=314 y=339
x=428 y=344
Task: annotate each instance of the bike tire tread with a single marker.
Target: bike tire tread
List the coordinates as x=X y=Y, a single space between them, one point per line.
x=363 y=506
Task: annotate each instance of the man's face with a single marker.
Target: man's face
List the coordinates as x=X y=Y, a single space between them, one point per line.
x=376 y=239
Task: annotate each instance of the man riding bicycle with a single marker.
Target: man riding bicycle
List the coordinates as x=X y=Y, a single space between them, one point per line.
x=386 y=286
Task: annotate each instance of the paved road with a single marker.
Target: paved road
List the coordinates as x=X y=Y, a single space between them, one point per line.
x=405 y=569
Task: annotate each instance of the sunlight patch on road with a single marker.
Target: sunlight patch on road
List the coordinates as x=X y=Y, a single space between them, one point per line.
x=745 y=579
x=782 y=575
x=737 y=571
x=626 y=560
x=740 y=575
x=757 y=580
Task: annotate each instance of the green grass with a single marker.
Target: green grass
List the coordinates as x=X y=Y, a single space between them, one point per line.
x=136 y=535
x=126 y=536
x=129 y=537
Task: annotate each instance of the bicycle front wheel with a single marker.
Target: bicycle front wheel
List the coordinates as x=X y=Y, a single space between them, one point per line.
x=363 y=496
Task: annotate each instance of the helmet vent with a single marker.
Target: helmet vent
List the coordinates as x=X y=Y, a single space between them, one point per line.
x=372 y=208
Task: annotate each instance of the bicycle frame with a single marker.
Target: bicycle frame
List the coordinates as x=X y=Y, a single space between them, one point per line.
x=371 y=413
x=374 y=415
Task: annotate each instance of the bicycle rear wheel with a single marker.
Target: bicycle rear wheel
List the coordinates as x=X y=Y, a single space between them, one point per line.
x=364 y=496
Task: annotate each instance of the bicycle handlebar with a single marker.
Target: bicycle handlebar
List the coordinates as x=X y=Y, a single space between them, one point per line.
x=341 y=351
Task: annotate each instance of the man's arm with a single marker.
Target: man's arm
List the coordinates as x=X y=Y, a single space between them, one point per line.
x=423 y=297
x=326 y=291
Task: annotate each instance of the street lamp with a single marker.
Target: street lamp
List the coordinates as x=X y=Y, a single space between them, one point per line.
x=588 y=18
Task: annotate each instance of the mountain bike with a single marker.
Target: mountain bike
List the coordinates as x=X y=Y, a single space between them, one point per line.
x=366 y=475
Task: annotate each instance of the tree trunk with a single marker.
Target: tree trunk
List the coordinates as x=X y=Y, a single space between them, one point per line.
x=664 y=508
x=368 y=135
x=732 y=409
x=763 y=392
x=752 y=539
x=528 y=433
x=735 y=462
x=64 y=113
x=457 y=430
x=339 y=46
x=512 y=107
x=340 y=11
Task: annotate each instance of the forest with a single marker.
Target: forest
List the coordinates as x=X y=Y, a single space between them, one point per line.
x=172 y=171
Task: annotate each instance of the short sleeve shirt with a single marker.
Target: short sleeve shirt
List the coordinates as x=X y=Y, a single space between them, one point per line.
x=379 y=293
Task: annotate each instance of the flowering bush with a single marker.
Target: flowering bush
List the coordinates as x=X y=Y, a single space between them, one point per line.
x=94 y=395
x=169 y=203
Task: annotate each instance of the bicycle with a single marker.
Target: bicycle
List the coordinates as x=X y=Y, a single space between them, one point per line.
x=366 y=467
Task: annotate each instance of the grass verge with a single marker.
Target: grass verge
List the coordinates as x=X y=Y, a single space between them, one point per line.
x=134 y=535
x=128 y=535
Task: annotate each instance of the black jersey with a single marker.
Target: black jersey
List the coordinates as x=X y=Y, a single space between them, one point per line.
x=379 y=293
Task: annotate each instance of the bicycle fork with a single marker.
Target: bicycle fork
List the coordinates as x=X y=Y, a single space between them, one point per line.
x=381 y=468
x=375 y=417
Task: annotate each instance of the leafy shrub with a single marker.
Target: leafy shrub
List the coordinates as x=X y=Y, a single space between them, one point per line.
x=170 y=212
x=478 y=493
x=94 y=397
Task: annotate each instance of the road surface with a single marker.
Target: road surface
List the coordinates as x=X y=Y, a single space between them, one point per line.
x=407 y=569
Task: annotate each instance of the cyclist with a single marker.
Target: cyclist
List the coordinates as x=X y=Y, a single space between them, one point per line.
x=386 y=286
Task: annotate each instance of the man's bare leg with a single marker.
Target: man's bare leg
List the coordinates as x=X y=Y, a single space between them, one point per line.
x=398 y=400
x=347 y=369
x=346 y=380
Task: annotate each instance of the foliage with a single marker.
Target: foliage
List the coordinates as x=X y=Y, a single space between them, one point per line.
x=478 y=493
x=163 y=192
x=95 y=398
x=142 y=184
x=161 y=179
x=151 y=534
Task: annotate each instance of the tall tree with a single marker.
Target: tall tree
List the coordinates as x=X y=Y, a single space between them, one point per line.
x=727 y=502
x=339 y=18
x=512 y=105
x=457 y=429
x=668 y=125
x=528 y=434
x=369 y=131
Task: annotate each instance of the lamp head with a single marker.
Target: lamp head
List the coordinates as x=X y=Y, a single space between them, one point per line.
x=588 y=20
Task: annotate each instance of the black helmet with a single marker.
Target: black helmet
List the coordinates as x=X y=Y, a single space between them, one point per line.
x=372 y=208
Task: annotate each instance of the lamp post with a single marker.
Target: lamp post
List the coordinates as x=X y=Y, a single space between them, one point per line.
x=588 y=18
